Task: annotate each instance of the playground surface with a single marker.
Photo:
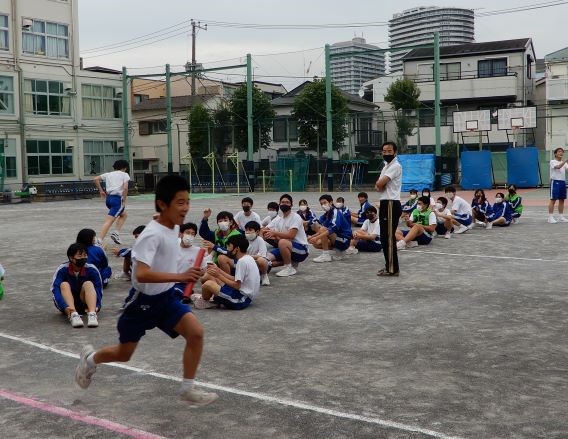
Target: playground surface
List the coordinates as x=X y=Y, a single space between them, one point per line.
x=469 y=342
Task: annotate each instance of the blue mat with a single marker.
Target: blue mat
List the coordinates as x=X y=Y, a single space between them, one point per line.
x=418 y=171
x=477 y=172
x=522 y=167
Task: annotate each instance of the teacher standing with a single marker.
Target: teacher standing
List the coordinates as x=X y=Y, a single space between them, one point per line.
x=388 y=186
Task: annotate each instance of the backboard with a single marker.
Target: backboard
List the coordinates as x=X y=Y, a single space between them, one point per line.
x=479 y=120
x=516 y=118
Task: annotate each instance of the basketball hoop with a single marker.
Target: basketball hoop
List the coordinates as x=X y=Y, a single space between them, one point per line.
x=517 y=123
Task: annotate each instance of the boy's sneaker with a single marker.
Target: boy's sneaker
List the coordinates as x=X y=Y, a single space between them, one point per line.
x=76 y=320
x=116 y=238
x=351 y=251
x=92 y=321
x=470 y=227
x=84 y=373
x=198 y=397
x=489 y=226
x=552 y=220
x=515 y=220
x=401 y=245
x=448 y=235
x=287 y=271
x=200 y=303
x=338 y=256
x=563 y=219
x=324 y=257
x=434 y=234
x=461 y=229
x=98 y=242
x=412 y=244
x=264 y=280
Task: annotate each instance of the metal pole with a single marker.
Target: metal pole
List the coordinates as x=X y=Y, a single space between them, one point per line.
x=328 y=115
x=250 y=145
x=212 y=174
x=169 y=119
x=179 y=148
x=126 y=135
x=291 y=184
x=190 y=176
x=193 y=61
x=263 y=181
x=238 y=179
x=418 y=146
x=437 y=118
x=480 y=141
x=288 y=136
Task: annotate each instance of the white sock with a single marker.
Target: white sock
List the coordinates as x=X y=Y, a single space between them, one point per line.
x=91 y=360
x=187 y=384
x=550 y=215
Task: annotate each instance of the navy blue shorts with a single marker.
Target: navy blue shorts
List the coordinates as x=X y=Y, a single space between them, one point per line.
x=441 y=229
x=299 y=252
x=342 y=244
x=143 y=312
x=557 y=190
x=231 y=298
x=423 y=239
x=369 y=246
x=464 y=220
x=115 y=206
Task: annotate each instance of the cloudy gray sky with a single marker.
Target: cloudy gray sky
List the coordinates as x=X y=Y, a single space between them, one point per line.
x=102 y=30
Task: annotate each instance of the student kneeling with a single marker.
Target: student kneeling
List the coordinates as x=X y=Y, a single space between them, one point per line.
x=233 y=292
x=422 y=225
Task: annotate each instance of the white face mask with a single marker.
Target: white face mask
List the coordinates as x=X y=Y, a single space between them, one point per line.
x=303 y=208
x=272 y=213
x=326 y=207
x=223 y=225
x=339 y=205
x=250 y=236
x=451 y=196
x=412 y=196
x=498 y=199
x=420 y=207
x=439 y=206
x=188 y=239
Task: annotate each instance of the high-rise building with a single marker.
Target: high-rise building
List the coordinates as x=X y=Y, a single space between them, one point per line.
x=350 y=72
x=416 y=26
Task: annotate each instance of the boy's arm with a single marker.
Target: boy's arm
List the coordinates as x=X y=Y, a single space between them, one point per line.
x=56 y=288
x=124 y=192
x=205 y=232
x=226 y=278
x=97 y=181
x=144 y=274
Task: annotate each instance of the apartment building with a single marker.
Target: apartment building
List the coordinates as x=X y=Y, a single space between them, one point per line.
x=556 y=99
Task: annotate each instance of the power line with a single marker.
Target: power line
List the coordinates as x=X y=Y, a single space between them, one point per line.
x=529 y=7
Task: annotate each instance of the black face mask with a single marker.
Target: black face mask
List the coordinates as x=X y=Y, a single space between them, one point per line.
x=246 y=208
x=285 y=208
x=80 y=262
x=388 y=157
x=512 y=191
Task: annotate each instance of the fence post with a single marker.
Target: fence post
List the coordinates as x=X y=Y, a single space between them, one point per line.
x=291 y=186
x=351 y=181
x=320 y=188
x=263 y=181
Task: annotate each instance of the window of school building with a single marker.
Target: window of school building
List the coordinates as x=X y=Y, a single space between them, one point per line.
x=6 y=95
x=100 y=155
x=100 y=102
x=46 y=98
x=49 y=157
x=4 y=34
x=8 y=158
x=45 y=38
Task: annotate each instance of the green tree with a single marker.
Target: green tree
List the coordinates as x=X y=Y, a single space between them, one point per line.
x=310 y=109
x=262 y=114
x=222 y=131
x=403 y=95
x=199 y=122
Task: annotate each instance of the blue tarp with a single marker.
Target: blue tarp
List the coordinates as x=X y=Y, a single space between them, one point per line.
x=418 y=171
x=477 y=172
x=522 y=167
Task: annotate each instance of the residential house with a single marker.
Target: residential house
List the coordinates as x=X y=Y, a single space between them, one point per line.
x=557 y=99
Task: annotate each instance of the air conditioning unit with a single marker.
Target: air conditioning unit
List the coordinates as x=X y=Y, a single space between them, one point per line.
x=27 y=23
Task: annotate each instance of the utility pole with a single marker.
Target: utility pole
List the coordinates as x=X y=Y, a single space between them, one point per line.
x=194 y=27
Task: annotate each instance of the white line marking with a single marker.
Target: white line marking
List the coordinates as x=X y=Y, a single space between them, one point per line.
x=486 y=256
x=254 y=395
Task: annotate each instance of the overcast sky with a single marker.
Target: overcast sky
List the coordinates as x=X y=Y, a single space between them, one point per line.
x=106 y=22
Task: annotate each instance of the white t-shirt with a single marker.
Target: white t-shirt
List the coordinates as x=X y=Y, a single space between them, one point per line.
x=114 y=182
x=266 y=221
x=372 y=228
x=292 y=221
x=393 y=170
x=241 y=219
x=558 y=174
x=158 y=247
x=460 y=206
x=247 y=272
x=257 y=247
x=447 y=212
x=187 y=257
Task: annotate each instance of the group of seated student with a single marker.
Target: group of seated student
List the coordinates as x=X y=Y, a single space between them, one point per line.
x=427 y=218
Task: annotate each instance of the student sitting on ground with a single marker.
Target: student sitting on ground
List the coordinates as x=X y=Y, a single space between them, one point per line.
x=233 y=292
x=444 y=225
x=501 y=213
x=516 y=203
x=77 y=287
x=247 y=214
x=340 y=205
x=188 y=252
x=96 y=255
x=216 y=241
x=410 y=205
x=461 y=211
x=308 y=217
x=426 y=193
x=126 y=253
x=357 y=219
x=287 y=232
x=422 y=225
x=368 y=238
x=333 y=231
x=272 y=214
x=480 y=207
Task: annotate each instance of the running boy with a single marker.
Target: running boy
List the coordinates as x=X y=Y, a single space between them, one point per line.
x=368 y=239
x=461 y=211
x=115 y=193
x=244 y=216
x=77 y=287
x=233 y=292
x=153 y=301
x=357 y=219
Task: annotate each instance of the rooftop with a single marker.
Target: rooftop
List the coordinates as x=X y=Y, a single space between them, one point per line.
x=469 y=49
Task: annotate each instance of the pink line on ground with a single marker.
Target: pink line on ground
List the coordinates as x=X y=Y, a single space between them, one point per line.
x=86 y=419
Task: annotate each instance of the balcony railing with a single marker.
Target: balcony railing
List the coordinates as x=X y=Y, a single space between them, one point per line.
x=457 y=76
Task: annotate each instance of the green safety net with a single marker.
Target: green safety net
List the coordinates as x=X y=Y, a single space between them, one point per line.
x=294 y=181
